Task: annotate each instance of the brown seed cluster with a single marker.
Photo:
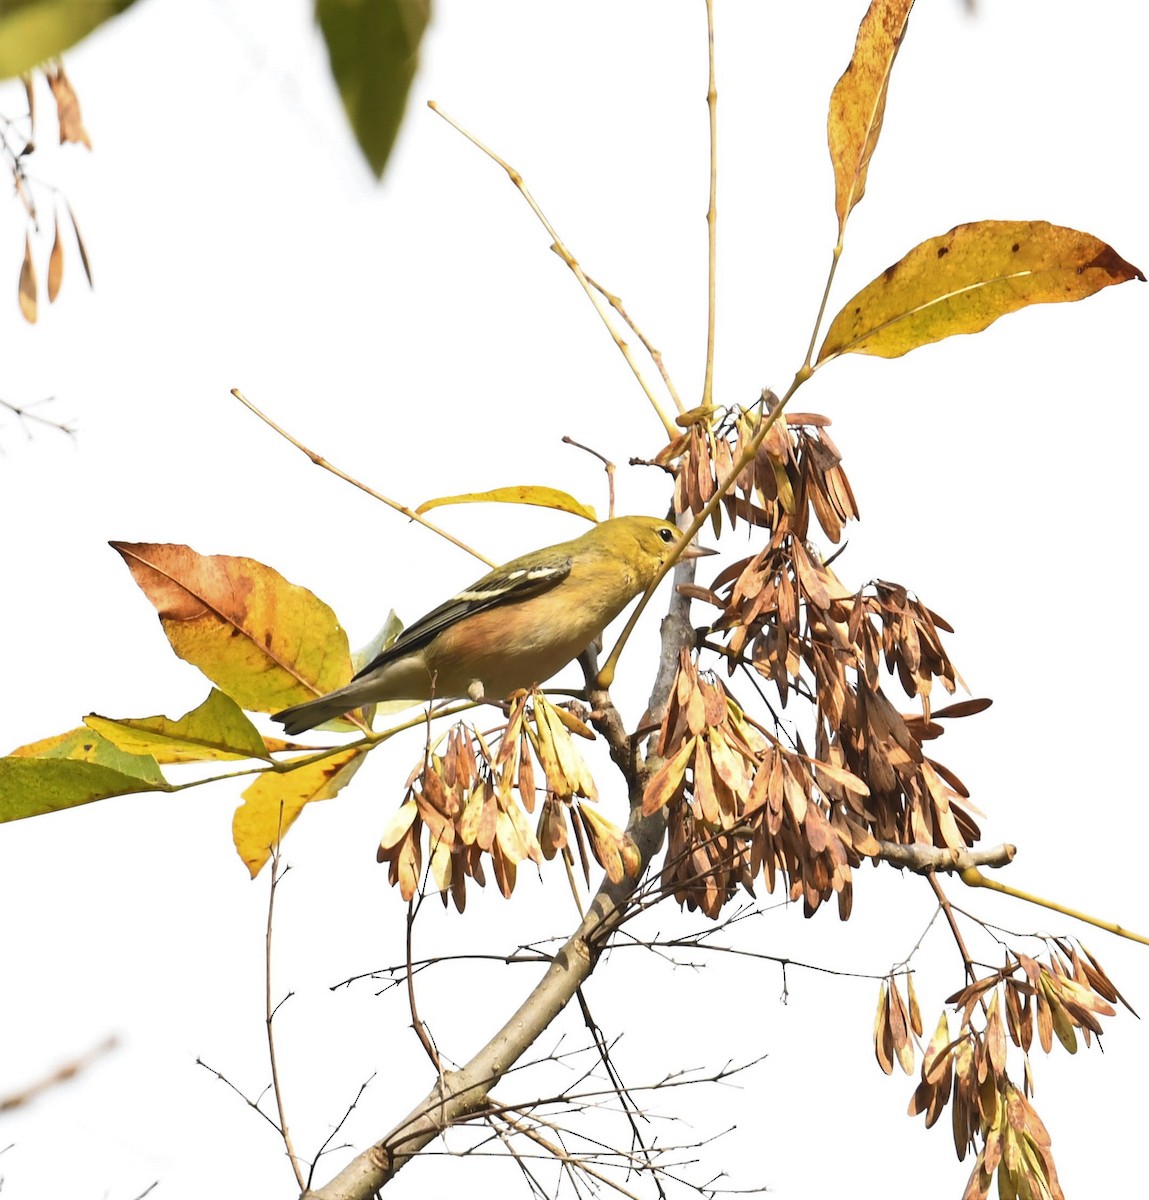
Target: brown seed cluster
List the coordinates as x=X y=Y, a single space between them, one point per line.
x=968 y=1071
x=796 y=470
x=740 y=805
x=473 y=801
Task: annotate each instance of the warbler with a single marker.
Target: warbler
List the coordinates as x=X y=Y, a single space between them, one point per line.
x=513 y=628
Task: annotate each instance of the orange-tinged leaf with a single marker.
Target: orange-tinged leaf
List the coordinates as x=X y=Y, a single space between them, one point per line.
x=262 y=640
x=28 y=283
x=858 y=101
x=55 y=265
x=272 y=803
x=536 y=494
x=216 y=731
x=964 y=280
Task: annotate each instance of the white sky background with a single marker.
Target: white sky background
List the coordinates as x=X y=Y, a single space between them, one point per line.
x=421 y=336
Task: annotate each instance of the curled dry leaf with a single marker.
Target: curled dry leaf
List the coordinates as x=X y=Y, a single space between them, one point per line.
x=67 y=105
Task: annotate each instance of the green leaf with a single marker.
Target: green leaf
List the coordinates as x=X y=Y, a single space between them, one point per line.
x=215 y=731
x=373 y=46
x=73 y=768
x=964 y=280
x=32 y=31
x=537 y=494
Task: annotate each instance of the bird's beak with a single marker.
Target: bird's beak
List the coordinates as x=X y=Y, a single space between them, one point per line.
x=694 y=550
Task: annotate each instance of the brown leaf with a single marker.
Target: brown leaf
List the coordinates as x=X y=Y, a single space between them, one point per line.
x=80 y=245
x=67 y=106
x=27 y=290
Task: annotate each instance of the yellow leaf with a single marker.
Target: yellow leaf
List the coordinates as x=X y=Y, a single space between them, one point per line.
x=272 y=803
x=964 y=280
x=28 y=283
x=537 y=494
x=265 y=642
x=858 y=101
x=215 y=731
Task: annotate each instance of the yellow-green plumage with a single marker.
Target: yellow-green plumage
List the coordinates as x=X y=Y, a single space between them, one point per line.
x=515 y=627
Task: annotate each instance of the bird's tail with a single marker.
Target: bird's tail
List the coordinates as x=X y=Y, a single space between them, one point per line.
x=302 y=717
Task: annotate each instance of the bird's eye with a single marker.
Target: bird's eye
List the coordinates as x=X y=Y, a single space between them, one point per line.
x=667 y=534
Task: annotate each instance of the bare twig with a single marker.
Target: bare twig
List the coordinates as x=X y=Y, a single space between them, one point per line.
x=560 y=249
x=655 y=354
x=24 y=413
x=608 y=466
x=326 y=1144
x=712 y=210
x=58 y=1075
x=629 y=1108
x=320 y=461
x=270 y=1009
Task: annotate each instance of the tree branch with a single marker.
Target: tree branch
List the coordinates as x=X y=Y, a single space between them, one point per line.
x=922 y=859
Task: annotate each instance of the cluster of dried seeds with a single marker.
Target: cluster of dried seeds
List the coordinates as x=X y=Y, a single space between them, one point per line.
x=968 y=1071
x=473 y=799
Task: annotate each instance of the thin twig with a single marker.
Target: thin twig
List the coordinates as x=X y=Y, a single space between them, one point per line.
x=61 y=1074
x=608 y=466
x=943 y=900
x=629 y=1108
x=712 y=210
x=25 y=414
x=320 y=461
x=271 y=1009
x=655 y=354
x=560 y=249
x=326 y=1143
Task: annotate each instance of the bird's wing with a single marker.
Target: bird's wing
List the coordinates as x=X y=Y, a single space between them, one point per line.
x=513 y=582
